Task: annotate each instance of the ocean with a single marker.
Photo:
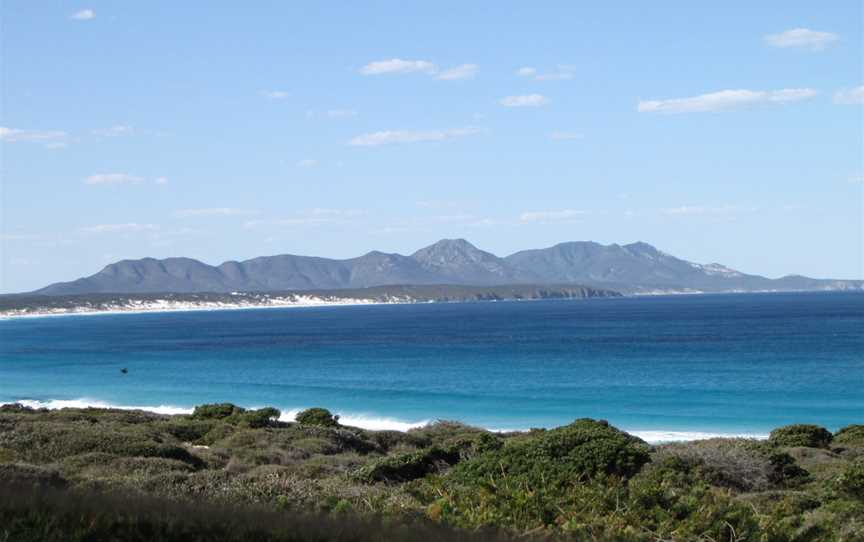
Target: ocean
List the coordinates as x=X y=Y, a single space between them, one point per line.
x=664 y=368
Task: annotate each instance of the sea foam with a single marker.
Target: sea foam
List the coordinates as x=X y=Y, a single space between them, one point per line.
x=364 y=421
x=369 y=421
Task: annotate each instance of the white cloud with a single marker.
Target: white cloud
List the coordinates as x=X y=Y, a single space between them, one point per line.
x=563 y=72
x=341 y=113
x=397 y=65
x=161 y=180
x=565 y=136
x=803 y=38
x=465 y=71
x=13 y=135
x=83 y=15
x=700 y=210
x=564 y=215
x=311 y=217
x=130 y=227
x=389 y=137
x=724 y=100
x=112 y=178
x=530 y=100
x=275 y=94
x=307 y=163
x=214 y=211
x=114 y=131
x=852 y=96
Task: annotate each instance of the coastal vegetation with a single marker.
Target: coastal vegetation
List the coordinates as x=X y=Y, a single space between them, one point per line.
x=228 y=473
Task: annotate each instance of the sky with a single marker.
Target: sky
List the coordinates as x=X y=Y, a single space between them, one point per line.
x=728 y=132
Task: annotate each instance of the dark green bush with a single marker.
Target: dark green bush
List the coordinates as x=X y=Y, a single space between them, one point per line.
x=407 y=466
x=30 y=476
x=851 y=435
x=812 y=436
x=851 y=481
x=216 y=411
x=583 y=449
x=317 y=416
x=263 y=417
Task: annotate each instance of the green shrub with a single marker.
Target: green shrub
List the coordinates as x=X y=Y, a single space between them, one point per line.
x=407 y=466
x=30 y=476
x=317 y=416
x=851 y=481
x=812 y=436
x=187 y=429
x=47 y=442
x=216 y=411
x=583 y=449
x=263 y=417
x=851 y=435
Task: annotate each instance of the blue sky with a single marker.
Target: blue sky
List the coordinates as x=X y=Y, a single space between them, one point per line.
x=724 y=131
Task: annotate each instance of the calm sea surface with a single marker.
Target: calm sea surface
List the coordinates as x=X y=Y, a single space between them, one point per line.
x=739 y=364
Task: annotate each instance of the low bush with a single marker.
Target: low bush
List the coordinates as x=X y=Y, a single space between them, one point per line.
x=408 y=466
x=216 y=411
x=812 y=436
x=583 y=449
x=851 y=481
x=733 y=463
x=317 y=416
x=851 y=435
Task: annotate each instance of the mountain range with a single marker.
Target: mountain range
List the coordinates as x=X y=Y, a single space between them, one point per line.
x=633 y=268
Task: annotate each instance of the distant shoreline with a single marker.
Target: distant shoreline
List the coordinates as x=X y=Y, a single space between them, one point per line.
x=85 y=311
x=134 y=304
x=40 y=305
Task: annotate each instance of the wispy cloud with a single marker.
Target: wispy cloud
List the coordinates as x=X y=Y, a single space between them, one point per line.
x=275 y=94
x=214 y=211
x=390 y=137
x=310 y=217
x=725 y=100
x=425 y=67
x=50 y=138
x=563 y=215
x=161 y=180
x=803 y=38
x=112 y=178
x=130 y=227
x=529 y=100
x=562 y=72
x=851 y=96
x=114 y=131
x=701 y=210
x=465 y=71
x=398 y=65
x=565 y=136
x=341 y=113
x=307 y=163
x=83 y=15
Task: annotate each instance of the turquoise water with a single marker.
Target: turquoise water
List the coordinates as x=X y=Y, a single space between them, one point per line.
x=726 y=364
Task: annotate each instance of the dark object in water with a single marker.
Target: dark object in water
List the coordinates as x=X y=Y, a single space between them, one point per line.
x=124 y=370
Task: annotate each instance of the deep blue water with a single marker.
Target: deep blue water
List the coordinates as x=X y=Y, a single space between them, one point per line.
x=716 y=363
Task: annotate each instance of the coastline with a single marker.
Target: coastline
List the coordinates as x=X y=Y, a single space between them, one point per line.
x=377 y=423
x=168 y=306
